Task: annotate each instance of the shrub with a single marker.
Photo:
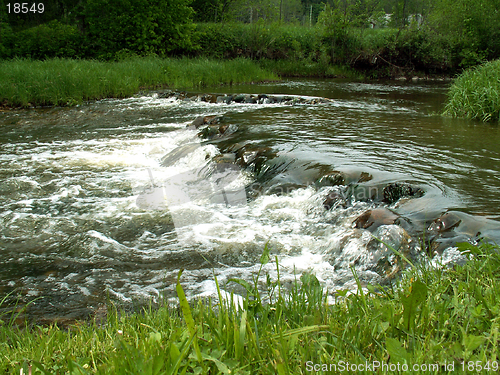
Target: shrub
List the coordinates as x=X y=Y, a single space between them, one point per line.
x=53 y=39
x=475 y=94
x=142 y=27
x=6 y=36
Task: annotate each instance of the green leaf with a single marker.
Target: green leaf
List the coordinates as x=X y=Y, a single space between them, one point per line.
x=221 y=366
x=264 y=259
x=472 y=342
x=411 y=302
x=243 y=326
x=188 y=317
x=174 y=352
x=155 y=336
x=299 y=331
x=249 y=288
x=396 y=351
x=40 y=367
x=158 y=362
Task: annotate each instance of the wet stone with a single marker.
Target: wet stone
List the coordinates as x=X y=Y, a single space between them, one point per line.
x=224 y=158
x=331 y=179
x=166 y=94
x=239 y=98
x=207 y=98
x=445 y=222
x=335 y=198
x=387 y=263
x=224 y=99
x=372 y=219
x=250 y=99
x=204 y=120
x=395 y=191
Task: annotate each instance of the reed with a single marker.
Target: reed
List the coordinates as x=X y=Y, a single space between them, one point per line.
x=475 y=94
x=62 y=82
x=435 y=317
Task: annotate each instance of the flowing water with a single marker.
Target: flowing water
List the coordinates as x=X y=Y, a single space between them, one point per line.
x=87 y=210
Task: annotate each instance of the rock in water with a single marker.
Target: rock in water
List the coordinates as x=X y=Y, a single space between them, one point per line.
x=204 y=120
x=374 y=218
x=395 y=191
x=335 y=198
x=331 y=179
x=445 y=222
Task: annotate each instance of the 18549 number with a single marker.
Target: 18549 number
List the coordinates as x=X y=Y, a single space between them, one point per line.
x=25 y=8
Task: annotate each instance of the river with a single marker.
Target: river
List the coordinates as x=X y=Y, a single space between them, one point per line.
x=93 y=206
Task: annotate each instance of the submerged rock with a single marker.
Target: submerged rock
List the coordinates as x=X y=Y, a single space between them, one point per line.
x=224 y=158
x=386 y=239
x=217 y=131
x=335 y=198
x=372 y=219
x=445 y=222
x=206 y=120
x=227 y=99
x=240 y=98
x=451 y=228
x=397 y=190
x=332 y=179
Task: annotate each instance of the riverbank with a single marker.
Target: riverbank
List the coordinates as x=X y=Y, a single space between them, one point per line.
x=65 y=82
x=436 y=319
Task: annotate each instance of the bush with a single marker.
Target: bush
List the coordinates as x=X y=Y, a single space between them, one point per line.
x=475 y=94
x=257 y=41
x=6 y=37
x=53 y=39
x=141 y=27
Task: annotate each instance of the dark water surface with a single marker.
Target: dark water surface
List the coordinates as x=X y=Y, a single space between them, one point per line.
x=73 y=233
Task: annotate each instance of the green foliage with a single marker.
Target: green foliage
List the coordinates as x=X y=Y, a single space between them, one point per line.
x=475 y=94
x=141 y=26
x=256 y=41
x=6 y=36
x=471 y=26
x=70 y=82
x=52 y=39
x=333 y=28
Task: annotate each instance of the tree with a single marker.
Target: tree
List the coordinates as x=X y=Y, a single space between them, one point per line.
x=472 y=26
x=5 y=34
x=137 y=26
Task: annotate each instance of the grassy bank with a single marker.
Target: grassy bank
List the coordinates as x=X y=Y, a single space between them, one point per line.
x=432 y=317
x=377 y=53
x=68 y=82
x=475 y=94
x=308 y=68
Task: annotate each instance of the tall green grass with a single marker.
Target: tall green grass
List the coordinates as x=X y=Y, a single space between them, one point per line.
x=68 y=82
x=475 y=94
x=435 y=317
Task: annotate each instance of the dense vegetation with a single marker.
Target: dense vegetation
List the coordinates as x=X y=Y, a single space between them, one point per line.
x=475 y=94
x=68 y=82
x=438 y=317
x=381 y=37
